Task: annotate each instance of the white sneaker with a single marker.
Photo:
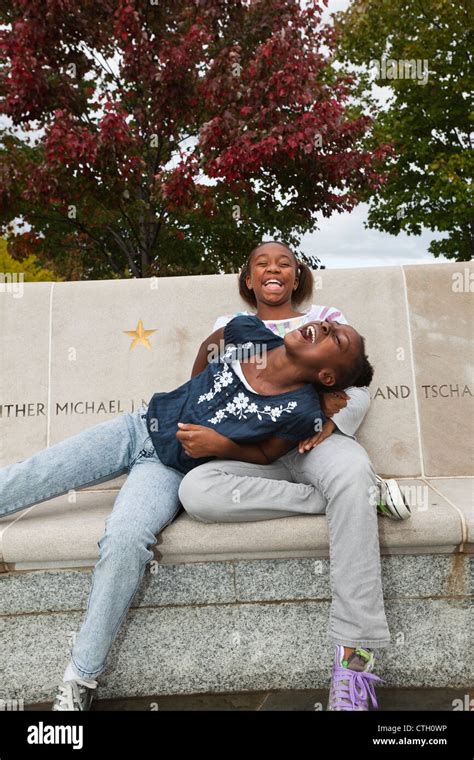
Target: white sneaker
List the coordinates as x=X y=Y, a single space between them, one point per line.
x=392 y=503
x=74 y=695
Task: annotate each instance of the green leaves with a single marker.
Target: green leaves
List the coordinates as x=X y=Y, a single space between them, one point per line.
x=428 y=123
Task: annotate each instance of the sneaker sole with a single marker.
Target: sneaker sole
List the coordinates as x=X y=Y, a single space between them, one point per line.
x=395 y=501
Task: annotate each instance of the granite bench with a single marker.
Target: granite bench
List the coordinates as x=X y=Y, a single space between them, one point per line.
x=222 y=605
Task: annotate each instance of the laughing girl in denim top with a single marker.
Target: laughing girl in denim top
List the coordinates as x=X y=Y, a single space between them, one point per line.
x=224 y=409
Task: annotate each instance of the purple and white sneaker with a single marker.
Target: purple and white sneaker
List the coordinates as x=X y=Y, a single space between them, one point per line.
x=352 y=682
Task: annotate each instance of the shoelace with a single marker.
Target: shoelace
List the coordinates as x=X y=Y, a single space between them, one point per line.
x=70 y=693
x=357 y=686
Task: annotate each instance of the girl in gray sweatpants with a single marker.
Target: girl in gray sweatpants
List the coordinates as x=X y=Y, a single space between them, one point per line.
x=334 y=477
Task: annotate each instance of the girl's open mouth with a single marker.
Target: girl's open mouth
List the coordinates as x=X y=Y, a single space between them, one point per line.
x=309 y=333
x=273 y=285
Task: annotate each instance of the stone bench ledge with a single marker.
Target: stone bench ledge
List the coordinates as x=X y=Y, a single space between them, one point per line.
x=58 y=534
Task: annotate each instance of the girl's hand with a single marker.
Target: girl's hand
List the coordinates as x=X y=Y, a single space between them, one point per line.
x=332 y=403
x=199 y=441
x=309 y=443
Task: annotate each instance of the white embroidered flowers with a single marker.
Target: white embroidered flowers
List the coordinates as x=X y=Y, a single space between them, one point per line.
x=221 y=380
x=241 y=408
x=225 y=376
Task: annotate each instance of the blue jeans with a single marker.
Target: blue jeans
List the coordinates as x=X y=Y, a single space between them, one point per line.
x=147 y=502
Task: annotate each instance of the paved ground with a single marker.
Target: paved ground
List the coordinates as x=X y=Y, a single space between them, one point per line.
x=388 y=699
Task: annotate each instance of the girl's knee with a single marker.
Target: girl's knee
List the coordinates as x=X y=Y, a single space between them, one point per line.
x=193 y=491
x=126 y=540
x=195 y=498
x=358 y=462
x=348 y=464
x=351 y=455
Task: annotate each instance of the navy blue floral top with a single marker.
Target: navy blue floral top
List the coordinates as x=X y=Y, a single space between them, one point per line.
x=217 y=398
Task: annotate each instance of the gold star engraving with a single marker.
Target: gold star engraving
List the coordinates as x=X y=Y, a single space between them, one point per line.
x=139 y=336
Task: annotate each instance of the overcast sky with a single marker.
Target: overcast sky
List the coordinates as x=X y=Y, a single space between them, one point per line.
x=343 y=241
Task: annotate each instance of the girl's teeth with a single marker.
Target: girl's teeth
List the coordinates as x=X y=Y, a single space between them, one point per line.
x=273 y=285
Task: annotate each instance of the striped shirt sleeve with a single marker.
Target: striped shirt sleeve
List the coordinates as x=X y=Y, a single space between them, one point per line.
x=329 y=313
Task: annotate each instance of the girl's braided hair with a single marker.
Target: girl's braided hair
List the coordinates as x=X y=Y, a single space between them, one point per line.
x=302 y=292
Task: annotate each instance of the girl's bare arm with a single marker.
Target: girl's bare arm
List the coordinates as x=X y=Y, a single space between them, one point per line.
x=201 y=441
x=213 y=343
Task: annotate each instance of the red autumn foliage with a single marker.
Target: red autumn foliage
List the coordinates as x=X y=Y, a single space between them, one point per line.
x=152 y=119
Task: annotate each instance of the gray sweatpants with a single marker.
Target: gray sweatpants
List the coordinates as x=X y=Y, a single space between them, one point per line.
x=336 y=478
